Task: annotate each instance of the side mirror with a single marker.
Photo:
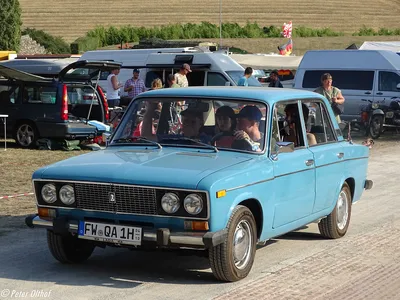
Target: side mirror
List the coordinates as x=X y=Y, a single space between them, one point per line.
x=398 y=86
x=282 y=147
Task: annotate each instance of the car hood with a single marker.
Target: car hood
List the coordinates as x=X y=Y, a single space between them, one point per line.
x=167 y=167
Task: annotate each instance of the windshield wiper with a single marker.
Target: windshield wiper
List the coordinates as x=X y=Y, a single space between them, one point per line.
x=190 y=140
x=137 y=138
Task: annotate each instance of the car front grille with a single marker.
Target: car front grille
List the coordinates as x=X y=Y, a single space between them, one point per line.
x=116 y=198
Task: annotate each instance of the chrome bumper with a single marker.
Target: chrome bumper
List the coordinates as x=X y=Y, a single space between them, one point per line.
x=161 y=236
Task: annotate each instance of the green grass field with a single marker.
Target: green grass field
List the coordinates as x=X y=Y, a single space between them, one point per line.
x=73 y=18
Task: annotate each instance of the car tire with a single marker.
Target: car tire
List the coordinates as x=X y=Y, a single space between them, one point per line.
x=68 y=249
x=335 y=225
x=26 y=134
x=229 y=262
x=376 y=131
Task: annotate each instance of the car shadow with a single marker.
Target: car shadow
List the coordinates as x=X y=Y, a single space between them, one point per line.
x=24 y=256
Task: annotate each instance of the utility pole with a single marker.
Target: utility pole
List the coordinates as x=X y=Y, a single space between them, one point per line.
x=220 y=24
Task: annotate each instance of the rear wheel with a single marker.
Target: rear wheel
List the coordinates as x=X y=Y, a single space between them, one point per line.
x=232 y=260
x=376 y=126
x=69 y=249
x=26 y=134
x=335 y=225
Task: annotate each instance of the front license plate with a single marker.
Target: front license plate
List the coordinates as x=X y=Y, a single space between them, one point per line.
x=111 y=233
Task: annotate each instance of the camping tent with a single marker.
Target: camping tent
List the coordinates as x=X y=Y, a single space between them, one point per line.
x=267 y=62
x=392 y=46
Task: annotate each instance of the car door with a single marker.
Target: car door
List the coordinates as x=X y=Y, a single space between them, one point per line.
x=386 y=87
x=328 y=154
x=294 y=172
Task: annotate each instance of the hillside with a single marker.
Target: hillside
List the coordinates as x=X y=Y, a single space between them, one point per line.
x=73 y=18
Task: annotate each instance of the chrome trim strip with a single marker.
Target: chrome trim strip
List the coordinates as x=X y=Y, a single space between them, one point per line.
x=261 y=181
x=249 y=184
x=130 y=185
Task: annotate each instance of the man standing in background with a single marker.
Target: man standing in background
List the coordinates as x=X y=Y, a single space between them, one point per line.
x=247 y=73
x=180 y=77
x=274 y=80
x=134 y=86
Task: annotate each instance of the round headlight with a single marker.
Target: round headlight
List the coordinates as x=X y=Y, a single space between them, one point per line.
x=67 y=195
x=193 y=204
x=49 y=193
x=375 y=105
x=170 y=203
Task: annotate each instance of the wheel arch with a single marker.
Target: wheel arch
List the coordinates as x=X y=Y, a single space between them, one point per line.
x=256 y=209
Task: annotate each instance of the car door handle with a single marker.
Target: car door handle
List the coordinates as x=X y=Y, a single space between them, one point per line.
x=340 y=155
x=379 y=93
x=309 y=162
x=367 y=93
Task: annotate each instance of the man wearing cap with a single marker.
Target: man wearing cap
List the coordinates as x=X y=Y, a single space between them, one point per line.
x=248 y=136
x=134 y=86
x=180 y=77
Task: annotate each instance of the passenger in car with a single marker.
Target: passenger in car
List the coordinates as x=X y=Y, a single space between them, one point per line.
x=226 y=124
x=192 y=124
x=248 y=135
x=292 y=118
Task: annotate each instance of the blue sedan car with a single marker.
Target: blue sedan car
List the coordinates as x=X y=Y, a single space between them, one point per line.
x=213 y=168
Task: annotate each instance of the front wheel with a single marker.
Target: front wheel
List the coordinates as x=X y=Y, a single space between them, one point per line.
x=232 y=260
x=335 y=225
x=69 y=249
x=376 y=126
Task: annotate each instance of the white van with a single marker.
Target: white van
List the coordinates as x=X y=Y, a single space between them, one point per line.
x=359 y=74
x=208 y=68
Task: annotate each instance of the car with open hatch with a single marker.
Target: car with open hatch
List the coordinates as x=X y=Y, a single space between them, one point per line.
x=180 y=171
x=40 y=107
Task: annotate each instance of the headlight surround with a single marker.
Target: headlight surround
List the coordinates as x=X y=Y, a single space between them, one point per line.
x=67 y=194
x=170 y=203
x=193 y=204
x=49 y=193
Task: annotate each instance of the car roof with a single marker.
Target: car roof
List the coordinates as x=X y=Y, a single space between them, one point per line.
x=265 y=94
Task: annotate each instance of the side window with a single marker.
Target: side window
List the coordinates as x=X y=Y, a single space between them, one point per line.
x=289 y=124
x=344 y=80
x=8 y=95
x=39 y=95
x=196 y=78
x=319 y=127
x=216 y=79
x=275 y=132
x=388 y=81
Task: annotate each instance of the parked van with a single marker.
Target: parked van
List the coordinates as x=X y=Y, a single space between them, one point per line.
x=209 y=68
x=359 y=74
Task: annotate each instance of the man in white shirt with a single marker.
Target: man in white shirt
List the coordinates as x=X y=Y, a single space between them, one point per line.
x=180 y=77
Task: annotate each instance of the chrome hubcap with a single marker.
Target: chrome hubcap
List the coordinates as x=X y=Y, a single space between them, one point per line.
x=342 y=210
x=25 y=135
x=242 y=243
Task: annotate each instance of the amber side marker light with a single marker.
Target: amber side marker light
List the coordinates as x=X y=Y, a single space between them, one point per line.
x=46 y=212
x=196 y=225
x=221 y=193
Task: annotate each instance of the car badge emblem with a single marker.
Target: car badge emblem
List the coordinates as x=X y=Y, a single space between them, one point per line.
x=112 y=197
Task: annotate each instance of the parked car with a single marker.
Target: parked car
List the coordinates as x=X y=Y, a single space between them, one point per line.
x=166 y=189
x=39 y=107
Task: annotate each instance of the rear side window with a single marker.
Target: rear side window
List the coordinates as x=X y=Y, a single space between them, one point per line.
x=82 y=95
x=39 y=95
x=344 y=80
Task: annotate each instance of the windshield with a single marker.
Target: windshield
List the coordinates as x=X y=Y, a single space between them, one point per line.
x=193 y=123
x=236 y=75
